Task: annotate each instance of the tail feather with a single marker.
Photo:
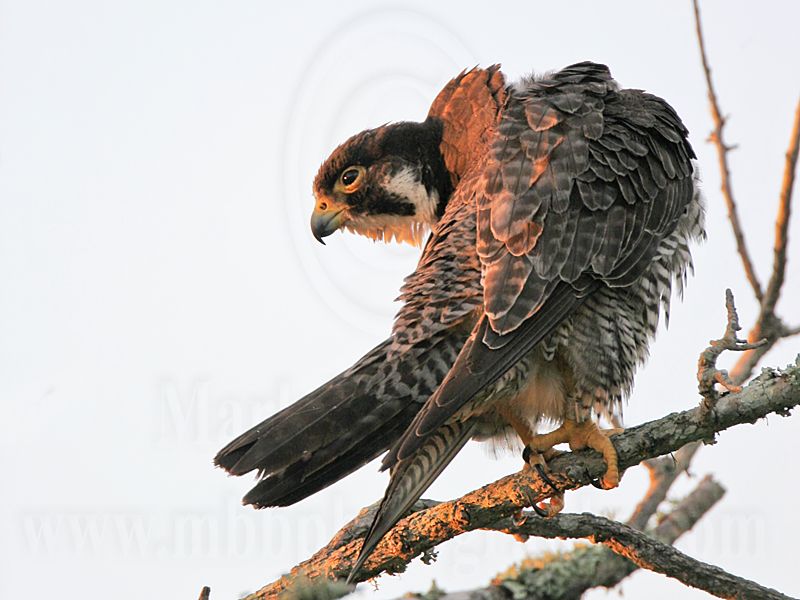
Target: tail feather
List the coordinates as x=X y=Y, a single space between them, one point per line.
x=339 y=427
x=302 y=479
x=274 y=441
x=410 y=478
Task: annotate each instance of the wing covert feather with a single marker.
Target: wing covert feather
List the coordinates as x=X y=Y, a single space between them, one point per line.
x=605 y=176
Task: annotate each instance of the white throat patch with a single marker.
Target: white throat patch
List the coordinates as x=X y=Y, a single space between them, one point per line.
x=406 y=185
x=410 y=229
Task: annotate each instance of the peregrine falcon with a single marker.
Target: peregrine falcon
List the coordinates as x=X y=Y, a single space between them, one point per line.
x=561 y=209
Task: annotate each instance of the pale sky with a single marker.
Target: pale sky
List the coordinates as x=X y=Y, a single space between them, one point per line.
x=162 y=291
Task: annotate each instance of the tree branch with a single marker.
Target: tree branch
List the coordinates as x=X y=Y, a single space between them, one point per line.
x=769 y=325
x=772 y=391
x=663 y=473
x=782 y=221
x=568 y=576
x=649 y=553
x=790 y=331
x=716 y=137
x=707 y=373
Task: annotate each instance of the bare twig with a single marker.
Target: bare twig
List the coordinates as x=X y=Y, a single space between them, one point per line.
x=749 y=359
x=782 y=221
x=769 y=326
x=707 y=373
x=421 y=531
x=790 y=331
x=718 y=140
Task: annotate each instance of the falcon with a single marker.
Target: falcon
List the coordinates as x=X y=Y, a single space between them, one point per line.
x=561 y=210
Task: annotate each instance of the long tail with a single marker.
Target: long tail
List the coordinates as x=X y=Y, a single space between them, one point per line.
x=410 y=478
x=337 y=428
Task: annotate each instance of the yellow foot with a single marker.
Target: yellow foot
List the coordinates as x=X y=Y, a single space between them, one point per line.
x=583 y=435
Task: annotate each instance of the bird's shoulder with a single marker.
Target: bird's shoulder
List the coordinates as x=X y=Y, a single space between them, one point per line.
x=466 y=111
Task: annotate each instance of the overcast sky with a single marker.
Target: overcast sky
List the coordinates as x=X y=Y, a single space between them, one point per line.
x=161 y=291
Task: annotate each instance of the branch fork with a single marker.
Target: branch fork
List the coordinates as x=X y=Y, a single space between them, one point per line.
x=708 y=375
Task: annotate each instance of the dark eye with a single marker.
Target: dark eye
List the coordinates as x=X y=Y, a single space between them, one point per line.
x=350 y=176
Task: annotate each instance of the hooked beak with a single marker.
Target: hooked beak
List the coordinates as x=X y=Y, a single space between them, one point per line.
x=327 y=218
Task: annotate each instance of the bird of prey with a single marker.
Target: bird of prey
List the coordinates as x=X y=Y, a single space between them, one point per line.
x=561 y=211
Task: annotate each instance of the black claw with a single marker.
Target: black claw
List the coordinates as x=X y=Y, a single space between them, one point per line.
x=546 y=479
x=540 y=511
x=595 y=482
x=526 y=454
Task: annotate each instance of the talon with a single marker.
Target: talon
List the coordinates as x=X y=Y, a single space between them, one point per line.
x=546 y=478
x=526 y=454
x=594 y=481
x=540 y=511
x=586 y=434
x=549 y=509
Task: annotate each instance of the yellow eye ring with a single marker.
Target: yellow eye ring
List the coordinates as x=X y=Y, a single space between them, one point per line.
x=351 y=179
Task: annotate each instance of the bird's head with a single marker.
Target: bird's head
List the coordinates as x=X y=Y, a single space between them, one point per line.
x=388 y=183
